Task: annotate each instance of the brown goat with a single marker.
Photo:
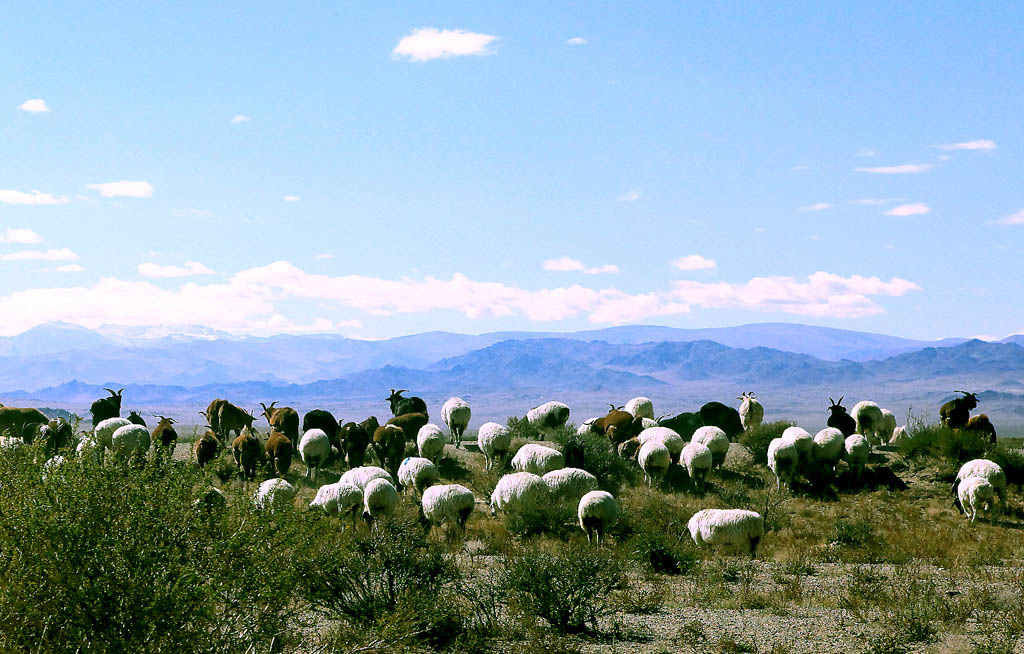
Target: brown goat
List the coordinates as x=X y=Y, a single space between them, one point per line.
x=981 y=424
x=206 y=448
x=21 y=423
x=279 y=452
x=164 y=434
x=212 y=414
x=955 y=413
x=284 y=419
x=231 y=418
x=626 y=426
x=106 y=407
x=247 y=452
x=389 y=445
x=355 y=437
x=410 y=424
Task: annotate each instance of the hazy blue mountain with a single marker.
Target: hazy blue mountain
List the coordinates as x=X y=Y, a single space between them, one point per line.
x=50 y=338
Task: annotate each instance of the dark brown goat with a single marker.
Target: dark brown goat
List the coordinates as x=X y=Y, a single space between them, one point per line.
x=164 y=434
x=247 y=452
x=283 y=419
x=279 y=451
x=955 y=413
x=230 y=418
x=106 y=407
x=21 y=423
x=981 y=424
x=206 y=448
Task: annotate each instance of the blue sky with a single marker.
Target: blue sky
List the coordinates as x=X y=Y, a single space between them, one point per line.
x=383 y=170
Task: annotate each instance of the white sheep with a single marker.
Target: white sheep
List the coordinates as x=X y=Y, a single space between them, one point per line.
x=430 y=441
x=90 y=447
x=130 y=440
x=647 y=423
x=548 y=417
x=640 y=407
x=804 y=444
x=363 y=475
x=697 y=459
x=456 y=413
x=654 y=460
x=783 y=459
x=274 y=494
x=667 y=437
x=857 y=449
x=828 y=450
x=315 y=450
x=990 y=471
x=379 y=499
x=417 y=473
x=570 y=484
x=727 y=527
x=339 y=499
x=900 y=436
x=869 y=421
x=103 y=432
x=587 y=426
x=715 y=440
x=976 y=494
x=538 y=459
x=751 y=411
x=451 y=503
x=597 y=511
x=888 y=425
x=493 y=440
x=519 y=492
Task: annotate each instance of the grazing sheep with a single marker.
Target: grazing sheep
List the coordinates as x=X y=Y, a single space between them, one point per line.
x=274 y=494
x=697 y=459
x=990 y=471
x=130 y=441
x=900 y=436
x=726 y=418
x=417 y=473
x=840 y=419
x=283 y=419
x=857 y=450
x=804 y=444
x=389 y=445
x=670 y=439
x=597 y=511
x=955 y=413
x=494 y=440
x=247 y=452
x=538 y=459
x=654 y=460
x=104 y=431
x=981 y=424
x=751 y=411
x=716 y=440
x=828 y=450
x=455 y=413
x=587 y=427
x=727 y=527
x=279 y=452
x=868 y=416
x=402 y=405
x=110 y=407
x=430 y=441
x=339 y=499
x=548 y=417
x=328 y=424
x=519 y=492
x=379 y=500
x=363 y=475
x=783 y=459
x=569 y=484
x=163 y=434
x=206 y=448
x=640 y=407
x=888 y=425
x=315 y=450
x=451 y=503
x=976 y=494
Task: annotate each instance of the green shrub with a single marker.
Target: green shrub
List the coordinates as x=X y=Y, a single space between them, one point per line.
x=854 y=533
x=756 y=440
x=663 y=553
x=1012 y=463
x=957 y=445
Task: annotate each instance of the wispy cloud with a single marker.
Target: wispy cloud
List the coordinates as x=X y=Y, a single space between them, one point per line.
x=1015 y=218
x=876 y=202
x=190 y=269
x=34 y=106
x=983 y=145
x=63 y=254
x=291 y=198
x=909 y=209
x=428 y=43
x=820 y=206
x=577 y=40
x=629 y=196
x=239 y=119
x=8 y=196
x=902 y=169
x=19 y=235
x=694 y=262
x=568 y=264
x=124 y=189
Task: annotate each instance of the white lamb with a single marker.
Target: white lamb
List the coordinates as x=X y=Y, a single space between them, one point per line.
x=976 y=494
x=640 y=407
x=857 y=450
x=570 y=484
x=538 y=459
x=456 y=413
x=130 y=441
x=697 y=459
x=274 y=494
x=430 y=441
x=597 y=511
x=417 y=473
x=654 y=460
x=829 y=447
x=900 y=436
x=339 y=499
x=736 y=528
x=783 y=459
x=869 y=421
x=451 y=503
x=493 y=440
x=315 y=450
x=103 y=432
x=888 y=426
x=379 y=499
x=990 y=471
x=667 y=437
x=548 y=417
x=363 y=475
x=519 y=492
x=751 y=411
x=804 y=444
x=715 y=440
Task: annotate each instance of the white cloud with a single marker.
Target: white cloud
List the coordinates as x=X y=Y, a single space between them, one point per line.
x=876 y=202
x=820 y=206
x=427 y=43
x=607 y=268
x=19 y=235
x=239 y=119
x=198 y=213
x=34 y=106
x=694 y=262
x=630 y=196
x=1015 y=218
x=8 y=196
x=577 y=40
x=63 y=254
x=291 y=198
x=125 y=189
x=903 y=169
x=983 y=145
x=190 y=268
x=910 y=209
x=71 y=267
x=563 y=264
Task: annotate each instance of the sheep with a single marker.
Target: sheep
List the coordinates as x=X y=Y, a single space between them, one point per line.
x=868 y=416
x=379 y=500
x=857 y=449
x=519 y=492
x=597 y=511
x=569 y=484
x=451 y=503
x=729 y=527
x=274 y=495
x=339 y=499
x=279 y=452
x=455 y=413
x=105 y=430
x=417 y=473
x=537 y=459
x=163 y=434
x=975 y=494
x=716 y=440
x=990 y=471
x=654 y=460
x=981 y=424
x=640 y=407
x=136 y=418
x=21 y=423
x=402 y=405
x=628 y=449
x=247 y=452
x=363 y=475
x=783 y=459
x=389 y=444
x=326 y=422
x=587 y=427
x=494 y=440
x=697 y=459
x=829 y=446
x=283 y=419
x=430 y=442
x=230 y=418
x=355 y=437
x=839 y=418
x=670 y=439
x=206 y=448
x=683 y=424
x=130 y=441
x=955 y=413
x=618 y=425
x=315 y=450
x=900 y=436
x=888 y=425
x=751 y=411
x=107 y=407
x=647 y=423
x=726 y=418
x=804 y=444
x=548 y=417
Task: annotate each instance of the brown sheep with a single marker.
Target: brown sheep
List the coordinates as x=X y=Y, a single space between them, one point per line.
x=164 y=434
x=283 y=419
x=389 y=444
x=279 y=452
x=981 y=424
x=206 y=448
x=21 y=423
x=247 y=452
